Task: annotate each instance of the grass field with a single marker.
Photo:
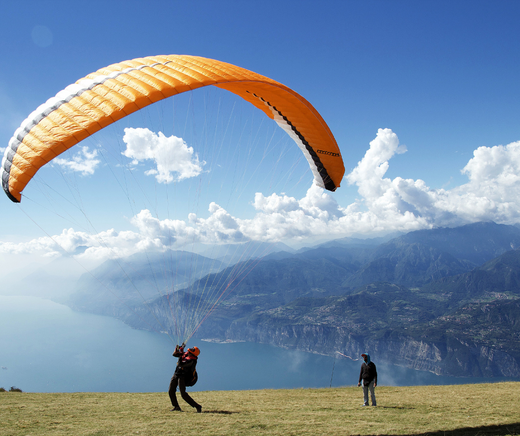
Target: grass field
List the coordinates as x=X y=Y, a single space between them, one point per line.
x=472 y=409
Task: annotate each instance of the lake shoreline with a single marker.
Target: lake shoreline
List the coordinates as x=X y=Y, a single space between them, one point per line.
x=47 y=347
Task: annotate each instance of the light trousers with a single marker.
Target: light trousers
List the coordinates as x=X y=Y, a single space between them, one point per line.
x=366 y=388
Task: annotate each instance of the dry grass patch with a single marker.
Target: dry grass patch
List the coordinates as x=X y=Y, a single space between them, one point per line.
x=436 y=410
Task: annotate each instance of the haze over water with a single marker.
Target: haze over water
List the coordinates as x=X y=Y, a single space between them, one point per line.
x=47 y=347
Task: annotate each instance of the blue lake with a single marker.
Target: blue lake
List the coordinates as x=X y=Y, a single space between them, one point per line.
x=47 y=347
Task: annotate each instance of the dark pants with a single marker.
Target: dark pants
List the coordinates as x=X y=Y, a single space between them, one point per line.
x=179 y=381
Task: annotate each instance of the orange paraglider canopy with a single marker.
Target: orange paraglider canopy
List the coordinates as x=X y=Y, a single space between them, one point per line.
x=111 y=93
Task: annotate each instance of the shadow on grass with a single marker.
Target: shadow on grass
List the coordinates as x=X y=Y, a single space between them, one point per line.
x=495 y=430
x=221 y=412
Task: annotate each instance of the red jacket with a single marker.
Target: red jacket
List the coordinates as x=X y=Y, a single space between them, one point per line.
x=186 y=363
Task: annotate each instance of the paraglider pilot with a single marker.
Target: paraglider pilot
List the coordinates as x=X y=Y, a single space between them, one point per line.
x=185 y=375
x=368 y=379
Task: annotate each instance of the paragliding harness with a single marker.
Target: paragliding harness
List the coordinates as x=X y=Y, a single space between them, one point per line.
x=193 y=380
x=186 y=366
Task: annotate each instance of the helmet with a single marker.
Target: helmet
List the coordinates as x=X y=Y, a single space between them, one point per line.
x=194 y=350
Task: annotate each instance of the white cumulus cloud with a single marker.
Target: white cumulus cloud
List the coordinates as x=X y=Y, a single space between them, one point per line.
x=492 y=192
x=402 y=204
x=84 y=162
x=171 y=155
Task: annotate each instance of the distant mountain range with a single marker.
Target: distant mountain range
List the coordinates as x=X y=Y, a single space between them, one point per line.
x=443 y=300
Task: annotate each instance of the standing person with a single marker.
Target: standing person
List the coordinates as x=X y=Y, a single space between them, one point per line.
x=185 y=375
x=368 y=376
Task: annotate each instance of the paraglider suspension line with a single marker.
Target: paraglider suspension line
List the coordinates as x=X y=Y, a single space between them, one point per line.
x=333 y=365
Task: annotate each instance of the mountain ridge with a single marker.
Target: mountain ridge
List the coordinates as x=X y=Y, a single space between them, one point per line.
x=415 y=300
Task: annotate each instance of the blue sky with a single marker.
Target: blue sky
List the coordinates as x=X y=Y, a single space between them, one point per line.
x=422 y=98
